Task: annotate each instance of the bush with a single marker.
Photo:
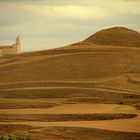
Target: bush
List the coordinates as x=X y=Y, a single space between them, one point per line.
x=10 y=138
x=2 y=138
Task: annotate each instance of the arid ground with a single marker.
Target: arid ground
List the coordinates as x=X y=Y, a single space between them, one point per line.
x=89 y=90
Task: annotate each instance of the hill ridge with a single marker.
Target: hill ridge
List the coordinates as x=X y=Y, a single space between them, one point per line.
x=118 y=36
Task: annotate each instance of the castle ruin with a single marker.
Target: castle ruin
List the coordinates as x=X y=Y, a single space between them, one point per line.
x=11 y=49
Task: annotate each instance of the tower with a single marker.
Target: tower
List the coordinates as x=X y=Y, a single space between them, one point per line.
x=18 y=46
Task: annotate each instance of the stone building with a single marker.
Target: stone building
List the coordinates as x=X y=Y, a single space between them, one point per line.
x=11 y=49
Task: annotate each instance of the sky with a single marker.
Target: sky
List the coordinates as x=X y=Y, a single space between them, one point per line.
x=46 y=24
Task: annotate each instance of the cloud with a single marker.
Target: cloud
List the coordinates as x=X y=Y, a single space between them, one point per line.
x=54 y=23
x=69 y=11
x=11 y=14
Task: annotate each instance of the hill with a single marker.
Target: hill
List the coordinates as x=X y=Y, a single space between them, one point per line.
x=60 y=93
x=76 y=62
x=118 y=36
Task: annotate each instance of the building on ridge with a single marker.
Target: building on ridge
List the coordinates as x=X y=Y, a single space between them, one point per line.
x=11 y=49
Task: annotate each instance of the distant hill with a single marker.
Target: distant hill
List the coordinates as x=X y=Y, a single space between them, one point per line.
x=118 y=36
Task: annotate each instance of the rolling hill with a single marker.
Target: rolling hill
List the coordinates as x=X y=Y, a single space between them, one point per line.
x=77 y=62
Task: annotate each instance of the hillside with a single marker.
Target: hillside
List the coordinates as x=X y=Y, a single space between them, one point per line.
x=76 y=62
x=118 y=36
x=64 y=93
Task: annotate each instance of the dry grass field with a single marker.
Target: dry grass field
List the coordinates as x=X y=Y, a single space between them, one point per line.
x=89 y=90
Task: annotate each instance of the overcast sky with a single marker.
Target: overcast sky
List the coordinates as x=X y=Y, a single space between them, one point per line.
x=45 y=24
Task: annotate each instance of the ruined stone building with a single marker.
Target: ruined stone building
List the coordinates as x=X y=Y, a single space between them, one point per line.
x=11 y=49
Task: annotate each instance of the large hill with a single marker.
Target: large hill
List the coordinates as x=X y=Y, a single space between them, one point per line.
x=81 y=61
x=95 y=79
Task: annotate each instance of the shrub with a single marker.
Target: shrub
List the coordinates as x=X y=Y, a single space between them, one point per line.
x=10 y=138
x=2 y=138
